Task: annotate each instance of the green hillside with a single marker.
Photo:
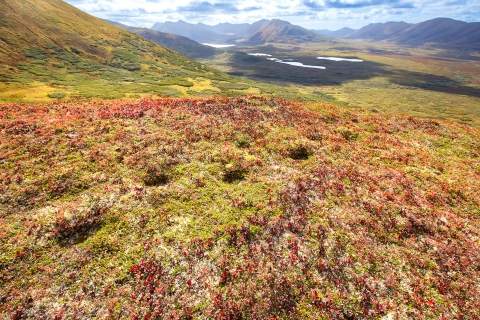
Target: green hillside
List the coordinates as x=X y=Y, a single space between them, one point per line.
x=172 y=41
x=50 y=50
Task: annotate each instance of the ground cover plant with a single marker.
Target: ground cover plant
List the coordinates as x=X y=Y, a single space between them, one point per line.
x=236 y=208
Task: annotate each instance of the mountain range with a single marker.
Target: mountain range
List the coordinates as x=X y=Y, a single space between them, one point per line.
x=189 y=30
x=260 y=32
x=238 y=30
x=443 y=32
x=438 y=32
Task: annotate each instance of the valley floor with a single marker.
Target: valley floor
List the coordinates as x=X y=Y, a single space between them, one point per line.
x=423 y=82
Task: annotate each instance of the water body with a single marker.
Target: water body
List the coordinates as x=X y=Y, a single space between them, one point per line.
x=339 y=59
x=260 y=54
x=297 y=64
x=218 y=45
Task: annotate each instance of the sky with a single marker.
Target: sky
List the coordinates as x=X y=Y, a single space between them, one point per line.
x=310 y=14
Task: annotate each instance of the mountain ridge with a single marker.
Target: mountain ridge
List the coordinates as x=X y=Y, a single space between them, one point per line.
x=341 y=33
x=379 y=31
x=226 y=28
x=442 y=32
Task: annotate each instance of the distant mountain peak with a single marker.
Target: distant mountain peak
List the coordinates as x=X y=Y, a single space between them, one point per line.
x=281 y=31
x=279 y=22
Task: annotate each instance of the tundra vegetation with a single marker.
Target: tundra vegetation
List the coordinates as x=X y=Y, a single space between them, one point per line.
x=236 y=208
x=224 y=199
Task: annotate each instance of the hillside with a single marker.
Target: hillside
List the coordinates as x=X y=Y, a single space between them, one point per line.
x=29 y=24
x=182 y=45
x=240 y=208
x=50 y=50
x=280 y=31
x=468 y=34
x=379 y=31
x=442 y=32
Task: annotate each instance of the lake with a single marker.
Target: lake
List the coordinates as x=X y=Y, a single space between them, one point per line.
x=339 y=59
x=293 y=63
x=218 y=45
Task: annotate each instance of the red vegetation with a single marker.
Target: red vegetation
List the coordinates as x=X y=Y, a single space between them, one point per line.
x=358 y=216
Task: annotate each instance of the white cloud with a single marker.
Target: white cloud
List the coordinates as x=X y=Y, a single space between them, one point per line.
x=313 y=14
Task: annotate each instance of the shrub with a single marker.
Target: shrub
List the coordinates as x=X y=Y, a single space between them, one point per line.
x=233 y=172
x=242 y=141
x=75 y=50
x=78 y=224
x=226 y=86
x=36 y=53
x=155 y=177
x=57 y=95
x=350 y=135
x=299 y=152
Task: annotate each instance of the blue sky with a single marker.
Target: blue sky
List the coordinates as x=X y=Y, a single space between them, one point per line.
x=311 y=14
